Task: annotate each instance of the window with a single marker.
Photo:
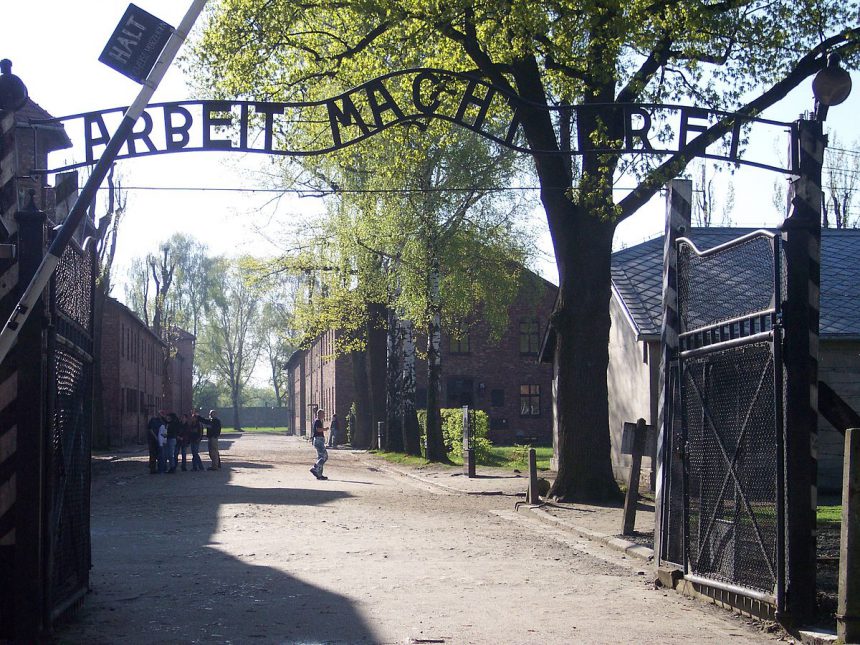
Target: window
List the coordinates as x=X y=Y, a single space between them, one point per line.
x=497 y=398
x=529 y=400
x=131 y=400
x=460 y=392
x=459 y=345
x=529 y=336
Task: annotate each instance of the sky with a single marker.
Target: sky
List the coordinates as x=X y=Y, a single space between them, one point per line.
x=55 y=44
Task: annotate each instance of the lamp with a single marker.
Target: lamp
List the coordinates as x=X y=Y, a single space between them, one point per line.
x=831 y=86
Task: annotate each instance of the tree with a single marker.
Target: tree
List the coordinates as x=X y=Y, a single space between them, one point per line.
x=841 y=179
x=228 y=345
x=742 y=56
x=276 y=333
x=705 y=200
x=107 y=229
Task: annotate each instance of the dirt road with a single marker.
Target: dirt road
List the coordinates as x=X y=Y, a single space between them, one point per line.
x=261 y=552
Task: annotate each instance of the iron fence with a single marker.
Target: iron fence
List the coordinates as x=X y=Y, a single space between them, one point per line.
x=725 y=507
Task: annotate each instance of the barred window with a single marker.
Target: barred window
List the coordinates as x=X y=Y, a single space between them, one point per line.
x=497 y=398
x=529 y=336
x=529 y=400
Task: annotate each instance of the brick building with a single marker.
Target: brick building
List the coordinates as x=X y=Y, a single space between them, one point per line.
x=502 y=378
x=134 y=383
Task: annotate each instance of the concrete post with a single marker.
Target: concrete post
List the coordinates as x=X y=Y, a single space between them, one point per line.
x=632 y=497
x=534 y=497
x=801 y=234
x=30 y=354
x=468 y=448
x=678 y=213
x=848 y=608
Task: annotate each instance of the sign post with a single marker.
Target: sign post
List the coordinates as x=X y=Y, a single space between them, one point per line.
x=130 y=49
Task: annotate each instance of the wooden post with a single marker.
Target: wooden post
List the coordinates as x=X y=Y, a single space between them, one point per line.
x=533 y=496
x=632 y=497
x=848 y=608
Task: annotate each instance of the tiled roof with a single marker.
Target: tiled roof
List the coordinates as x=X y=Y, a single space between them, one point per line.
x=32 y=111
x=637 y=277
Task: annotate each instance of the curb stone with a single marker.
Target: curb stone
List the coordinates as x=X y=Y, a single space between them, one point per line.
x=619 y=544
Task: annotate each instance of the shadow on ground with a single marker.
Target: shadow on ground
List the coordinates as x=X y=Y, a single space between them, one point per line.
x=160 y=573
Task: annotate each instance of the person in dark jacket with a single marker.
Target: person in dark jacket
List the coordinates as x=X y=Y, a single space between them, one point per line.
x=213 y=431
x=152 y=427
x=195 y=431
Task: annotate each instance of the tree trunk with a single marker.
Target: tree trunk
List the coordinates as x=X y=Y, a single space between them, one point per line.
x=376 y=341
x=582 y=240
x=363 y=418
x=435 y=442
x=581 y=325
x=275 y=384
x=234 y=396
x=409 y=417
x=393 y=402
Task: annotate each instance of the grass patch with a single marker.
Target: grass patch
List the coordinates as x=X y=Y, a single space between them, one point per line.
x=400 y=458
x=829 y=514
x=261 y=429
x=513 y=457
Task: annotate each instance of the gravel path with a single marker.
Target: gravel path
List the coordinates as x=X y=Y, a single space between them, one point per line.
x=261 y=552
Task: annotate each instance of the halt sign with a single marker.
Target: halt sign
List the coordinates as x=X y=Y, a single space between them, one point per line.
x=136 y=43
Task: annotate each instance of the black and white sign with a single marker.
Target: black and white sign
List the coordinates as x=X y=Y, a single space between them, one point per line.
x=136 y=44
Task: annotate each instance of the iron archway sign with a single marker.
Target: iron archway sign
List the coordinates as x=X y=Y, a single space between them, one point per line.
x=368 y=109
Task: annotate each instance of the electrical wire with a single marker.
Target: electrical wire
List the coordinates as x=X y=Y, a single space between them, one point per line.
x=333 y=191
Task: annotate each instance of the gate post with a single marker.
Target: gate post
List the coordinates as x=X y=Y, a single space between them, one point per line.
x=678 y=218
x=801 y=235
x=29 y=354
x=8 y=378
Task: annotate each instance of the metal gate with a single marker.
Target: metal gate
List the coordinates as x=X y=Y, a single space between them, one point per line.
x=723 y=519
x=69 y=430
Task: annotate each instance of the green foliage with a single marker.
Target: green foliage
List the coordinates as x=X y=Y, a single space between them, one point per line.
x=256 y=396
x=452 y=432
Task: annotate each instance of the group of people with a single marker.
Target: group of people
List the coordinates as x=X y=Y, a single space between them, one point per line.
x=169 y=436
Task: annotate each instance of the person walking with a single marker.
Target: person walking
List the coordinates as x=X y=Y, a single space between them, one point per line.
x=318 y=438
x=195 y=432
x=333 y=431
x=213 y=431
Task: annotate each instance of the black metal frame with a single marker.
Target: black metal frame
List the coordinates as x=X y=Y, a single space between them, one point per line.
x=701 y=344
x=68 y=434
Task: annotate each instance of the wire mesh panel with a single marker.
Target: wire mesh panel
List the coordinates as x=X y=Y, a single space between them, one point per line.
x=70 y=429
x=732 y=476
x=730 y=283
x=673 y=543
x=727 y=421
